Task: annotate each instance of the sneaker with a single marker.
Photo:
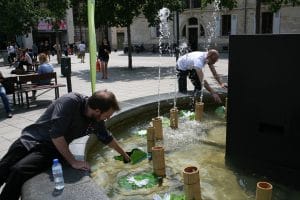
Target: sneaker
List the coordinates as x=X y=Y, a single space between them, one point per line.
x=9 y=115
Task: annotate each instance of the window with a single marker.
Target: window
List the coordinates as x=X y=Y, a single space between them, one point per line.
x=183 y=33
x=192 y=4
x=202 y=32
x=193 y=21
x=195 y=3
x=267 y=22
x=226 y=25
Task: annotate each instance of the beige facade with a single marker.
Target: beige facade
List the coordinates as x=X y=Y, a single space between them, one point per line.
x=195 y=23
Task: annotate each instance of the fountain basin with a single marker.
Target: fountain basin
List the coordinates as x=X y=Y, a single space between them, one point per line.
x=218 y=179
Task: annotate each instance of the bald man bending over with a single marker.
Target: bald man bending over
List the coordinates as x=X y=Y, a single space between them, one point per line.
x=191 y=65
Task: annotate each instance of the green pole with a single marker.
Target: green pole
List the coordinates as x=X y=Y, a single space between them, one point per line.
x=92 y=42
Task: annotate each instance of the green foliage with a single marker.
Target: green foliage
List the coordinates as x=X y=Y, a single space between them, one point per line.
x=151 y=8
x=275 y=5
x=122 y=13
x=17 y=17
x=230 y=4
x=79 y=12
x=56 y=10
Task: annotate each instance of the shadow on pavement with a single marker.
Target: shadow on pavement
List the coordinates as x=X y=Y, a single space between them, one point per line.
x=125 y=74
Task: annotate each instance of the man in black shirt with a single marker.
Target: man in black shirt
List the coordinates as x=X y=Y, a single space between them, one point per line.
x=69 y=117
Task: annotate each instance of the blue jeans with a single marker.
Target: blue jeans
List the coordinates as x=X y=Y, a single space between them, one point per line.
x=4 y=99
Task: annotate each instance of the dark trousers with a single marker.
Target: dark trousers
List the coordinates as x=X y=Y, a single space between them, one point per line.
x=182 y=80
x=19 y=165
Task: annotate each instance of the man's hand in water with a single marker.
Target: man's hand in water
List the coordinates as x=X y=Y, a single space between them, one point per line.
x=216 y=97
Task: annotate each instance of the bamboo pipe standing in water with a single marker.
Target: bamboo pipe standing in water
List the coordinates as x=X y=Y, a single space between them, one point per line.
x=158 y=159
x=157 y=124
x=263 y=191
x=199 y=107
x=150 y=140
x=174 y=118
x=191 y=179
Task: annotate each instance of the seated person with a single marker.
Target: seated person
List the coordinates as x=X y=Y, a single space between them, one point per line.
x=43 y=68
x=4 y=98
x=25 y=59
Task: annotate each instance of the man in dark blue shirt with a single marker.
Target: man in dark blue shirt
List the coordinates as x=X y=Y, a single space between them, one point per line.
x=69 y=117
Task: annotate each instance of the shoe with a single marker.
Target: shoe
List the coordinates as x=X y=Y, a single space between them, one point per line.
x=9 y=115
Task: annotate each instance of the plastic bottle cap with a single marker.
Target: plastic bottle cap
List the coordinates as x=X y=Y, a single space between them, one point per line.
x=55 y=161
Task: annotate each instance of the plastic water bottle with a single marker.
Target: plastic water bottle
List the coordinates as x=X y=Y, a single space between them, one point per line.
x=58 y=175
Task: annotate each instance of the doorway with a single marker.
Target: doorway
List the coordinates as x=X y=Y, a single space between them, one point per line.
x=193 y=38
x=120 y=40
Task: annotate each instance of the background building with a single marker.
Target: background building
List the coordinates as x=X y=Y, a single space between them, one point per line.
x=195 y=23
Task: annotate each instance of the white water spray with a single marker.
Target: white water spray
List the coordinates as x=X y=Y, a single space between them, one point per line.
x=164 y=43
x=211 y=32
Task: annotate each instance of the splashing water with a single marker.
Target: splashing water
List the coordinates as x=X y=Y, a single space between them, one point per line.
x=183 y=48
x=211 y=26
x=211 y=32
x=164 y=43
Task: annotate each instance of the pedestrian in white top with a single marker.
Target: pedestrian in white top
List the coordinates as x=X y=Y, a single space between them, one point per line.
x=11 y=51
x=191 y=65
x=81 y=48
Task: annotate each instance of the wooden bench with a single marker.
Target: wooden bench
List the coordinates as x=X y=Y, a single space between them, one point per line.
x=33 y=82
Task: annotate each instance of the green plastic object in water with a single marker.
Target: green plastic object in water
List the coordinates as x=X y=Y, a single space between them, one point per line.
x=136 y=155
x=142 y=132
x=165 y=122
x=187 y=114
x=137 y=181
x=220 y=111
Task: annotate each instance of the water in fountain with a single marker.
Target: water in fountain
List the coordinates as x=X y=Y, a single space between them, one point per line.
x=196 y=144
x=164 y=43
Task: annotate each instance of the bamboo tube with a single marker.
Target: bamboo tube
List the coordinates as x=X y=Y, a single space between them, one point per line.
x=150 y=138
x=263 y=191
x=199 y=111
x=191 y=181
x=158 y=159
x=157 y=124
x=174 y=118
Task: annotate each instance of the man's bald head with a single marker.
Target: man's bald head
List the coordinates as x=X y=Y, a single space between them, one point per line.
x=212 y=56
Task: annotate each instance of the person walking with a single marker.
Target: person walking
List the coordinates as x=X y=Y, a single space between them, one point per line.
x=69 y=117
x=103 y=56
x=35 y=51
x=191 y=65
x=4 y=98
x=81 y=48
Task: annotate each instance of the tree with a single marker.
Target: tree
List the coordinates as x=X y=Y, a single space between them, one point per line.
x=80 y=14
x=18 y=17
x=274 y=6
x=122 y=13
x=230 y=4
